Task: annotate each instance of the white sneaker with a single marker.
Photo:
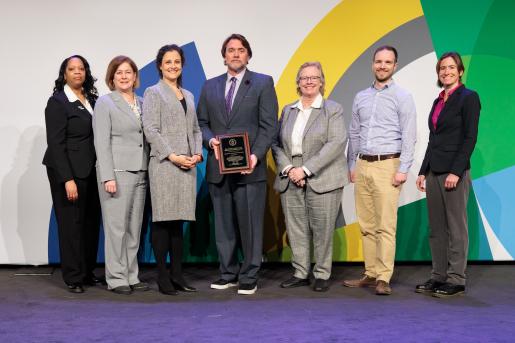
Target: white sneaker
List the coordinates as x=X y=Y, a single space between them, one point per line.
x=247 y=288
x=224 y=284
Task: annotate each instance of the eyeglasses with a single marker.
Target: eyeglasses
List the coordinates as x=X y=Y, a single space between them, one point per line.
x=307 y=78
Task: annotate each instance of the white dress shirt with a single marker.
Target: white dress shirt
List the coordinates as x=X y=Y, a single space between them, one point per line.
x=298 y=128
x=72 y=98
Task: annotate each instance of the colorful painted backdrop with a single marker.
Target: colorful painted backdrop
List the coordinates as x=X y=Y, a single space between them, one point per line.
x=342 y=35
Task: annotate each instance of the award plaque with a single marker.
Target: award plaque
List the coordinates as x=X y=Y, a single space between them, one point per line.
x=234 y=153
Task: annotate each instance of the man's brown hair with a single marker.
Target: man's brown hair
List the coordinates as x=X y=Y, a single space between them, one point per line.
x=386 y=47
x=239 y=37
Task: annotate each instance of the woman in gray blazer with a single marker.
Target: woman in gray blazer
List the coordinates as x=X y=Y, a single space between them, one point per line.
x=171 y=127
x=312 y=171
x=122 y=162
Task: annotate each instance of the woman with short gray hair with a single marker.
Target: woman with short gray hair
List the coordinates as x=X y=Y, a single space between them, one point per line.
x=312 y=171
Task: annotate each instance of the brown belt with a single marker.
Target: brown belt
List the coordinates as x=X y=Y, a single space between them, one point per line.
x=372 y=158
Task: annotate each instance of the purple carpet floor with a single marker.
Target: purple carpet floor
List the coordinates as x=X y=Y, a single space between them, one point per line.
x=39 y=309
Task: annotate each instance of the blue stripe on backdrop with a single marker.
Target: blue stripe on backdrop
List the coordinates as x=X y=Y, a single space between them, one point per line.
x=193 y=79
x=494 y=194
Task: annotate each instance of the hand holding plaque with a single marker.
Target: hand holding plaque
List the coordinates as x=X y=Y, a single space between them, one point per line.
x=234 y=153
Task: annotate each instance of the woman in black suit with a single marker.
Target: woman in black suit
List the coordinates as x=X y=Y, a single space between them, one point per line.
x=70 y=161
x=453 y=126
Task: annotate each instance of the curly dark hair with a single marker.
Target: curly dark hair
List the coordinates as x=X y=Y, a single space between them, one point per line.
x=161 y=53
x=89 y=89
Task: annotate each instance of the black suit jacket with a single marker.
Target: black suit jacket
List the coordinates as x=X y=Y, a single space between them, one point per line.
x=452 y=143
x=69 y=133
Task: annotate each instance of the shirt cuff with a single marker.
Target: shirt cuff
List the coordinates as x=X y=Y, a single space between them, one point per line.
x=211 y=145
x=308 y=173
x=284 y=170
x=403 y=168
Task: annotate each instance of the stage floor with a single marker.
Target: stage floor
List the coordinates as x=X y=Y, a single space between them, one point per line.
x=39 y=309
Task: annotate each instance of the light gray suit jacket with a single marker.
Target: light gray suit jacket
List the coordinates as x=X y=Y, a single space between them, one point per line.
x=118 y=136
x=323 y=146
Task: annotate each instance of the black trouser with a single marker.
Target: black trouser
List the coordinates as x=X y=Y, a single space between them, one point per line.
x=78 y=226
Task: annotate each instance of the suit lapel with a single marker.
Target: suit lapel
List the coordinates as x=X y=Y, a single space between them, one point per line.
x=124 y=107
x=431 y=126
x=288 y=128
x=220 y=94
x=242 y=90
x=448 y=104
x=315 y=112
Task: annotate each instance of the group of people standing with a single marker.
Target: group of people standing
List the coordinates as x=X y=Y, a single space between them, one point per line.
x=101 y=152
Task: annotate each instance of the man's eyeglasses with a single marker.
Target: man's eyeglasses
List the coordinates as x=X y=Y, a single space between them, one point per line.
x=307 y=78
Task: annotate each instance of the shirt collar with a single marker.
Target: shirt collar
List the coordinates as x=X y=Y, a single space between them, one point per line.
x=316 y=104
x=442 y=93
x=238 y=77
x=388 y=85
x=69 y=94
x=72 y=98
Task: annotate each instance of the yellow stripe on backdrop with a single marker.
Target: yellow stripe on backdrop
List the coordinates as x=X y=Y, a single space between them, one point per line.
x=336 y=42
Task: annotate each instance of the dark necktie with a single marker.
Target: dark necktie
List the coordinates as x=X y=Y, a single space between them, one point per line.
x=228 y=99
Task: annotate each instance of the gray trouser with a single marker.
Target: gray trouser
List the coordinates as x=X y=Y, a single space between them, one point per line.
x=310 y=214
x=122 y=215
x=239 y=213
x=448 y=223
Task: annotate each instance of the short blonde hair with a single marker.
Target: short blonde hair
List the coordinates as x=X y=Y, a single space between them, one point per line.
x=322 y=78
x=113 y=67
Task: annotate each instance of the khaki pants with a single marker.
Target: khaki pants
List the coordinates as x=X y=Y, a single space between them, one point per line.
x=377 y=201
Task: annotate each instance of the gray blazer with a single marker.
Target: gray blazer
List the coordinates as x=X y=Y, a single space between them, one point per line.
x=254 y=111
x=170 y=130
x=119 y=140
x=323 y=147
x=177 y=133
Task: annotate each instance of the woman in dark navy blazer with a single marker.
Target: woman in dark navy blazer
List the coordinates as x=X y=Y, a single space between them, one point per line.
x=70 y=161
x=453 y=125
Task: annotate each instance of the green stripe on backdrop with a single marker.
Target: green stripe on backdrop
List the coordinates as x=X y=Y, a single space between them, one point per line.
x=486 y=30
x=455 y=24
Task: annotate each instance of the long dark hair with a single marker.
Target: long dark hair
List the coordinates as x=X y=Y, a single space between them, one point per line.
x=159 y=59
x=89 y=89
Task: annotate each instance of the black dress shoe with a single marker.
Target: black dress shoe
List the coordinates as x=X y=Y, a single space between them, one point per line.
x=428 y=286
x=140 y=287
x=124 y=290
x=295 y=282
x=321 y=285
x=92 y=280
x=182 y=287
x=449 y=290
x=224 y=284
x=75 y=288
x=165 y=286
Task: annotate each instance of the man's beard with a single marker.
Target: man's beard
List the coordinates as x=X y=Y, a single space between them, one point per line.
x=236 y=67
x=388 y=76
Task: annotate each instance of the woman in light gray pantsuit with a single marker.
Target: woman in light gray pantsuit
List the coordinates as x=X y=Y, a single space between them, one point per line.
x=312 y=171
x=122 y=162
x=171 y=127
